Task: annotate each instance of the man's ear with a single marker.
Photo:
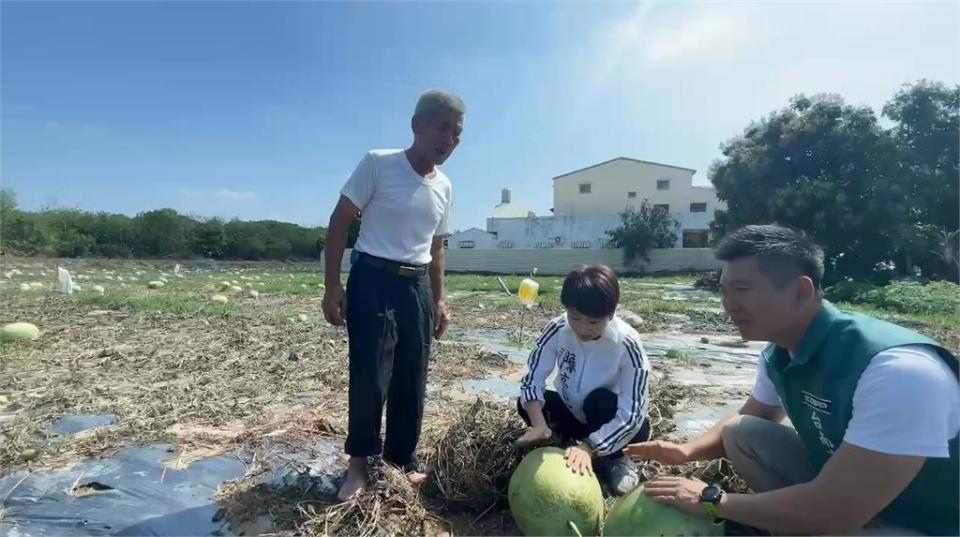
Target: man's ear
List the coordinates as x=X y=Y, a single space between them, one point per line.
x=806 y=290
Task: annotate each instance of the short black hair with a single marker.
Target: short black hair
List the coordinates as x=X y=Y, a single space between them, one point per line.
x=782 y=253
x=593 y=290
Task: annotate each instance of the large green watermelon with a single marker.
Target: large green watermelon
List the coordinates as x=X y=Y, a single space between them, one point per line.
x=548 y=498
x=637 y=514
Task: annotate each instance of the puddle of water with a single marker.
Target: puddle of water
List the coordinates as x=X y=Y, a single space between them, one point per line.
x=716 y=349
x=497 y=386
x=714 y=377
x=696 y=421
x=495 y=341
x=68 y=425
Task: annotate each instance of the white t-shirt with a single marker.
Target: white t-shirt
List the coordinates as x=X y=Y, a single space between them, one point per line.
x=907 y=402
x=401 y=210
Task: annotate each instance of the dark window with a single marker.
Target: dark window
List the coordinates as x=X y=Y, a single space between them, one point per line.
x=695 y=238
x=664 y=206
x=698 y=207
x=584 y=188
x=663 y=184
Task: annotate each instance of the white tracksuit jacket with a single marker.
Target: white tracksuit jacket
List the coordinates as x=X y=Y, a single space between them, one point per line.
x=616 y=362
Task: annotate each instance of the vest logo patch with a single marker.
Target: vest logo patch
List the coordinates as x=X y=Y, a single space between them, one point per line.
x=817 y=404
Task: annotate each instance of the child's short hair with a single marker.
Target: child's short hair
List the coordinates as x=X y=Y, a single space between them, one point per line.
x=593 y=290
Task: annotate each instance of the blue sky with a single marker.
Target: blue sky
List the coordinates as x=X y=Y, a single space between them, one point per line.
x=262 y=109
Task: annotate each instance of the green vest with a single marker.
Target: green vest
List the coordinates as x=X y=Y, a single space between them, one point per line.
x=816 y=387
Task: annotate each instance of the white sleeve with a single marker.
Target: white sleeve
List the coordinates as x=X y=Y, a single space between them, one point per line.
x=631 y=403
x=763 y=389
x=906 y=403
x=541 y=362
x=360 y=186
x=444 y=226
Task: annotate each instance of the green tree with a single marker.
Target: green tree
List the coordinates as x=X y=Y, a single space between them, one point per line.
x=819 y=165
x=163 y=233
x=209 y=239
x=8 y=202
x=115 y=235
x=19 y=232
x=927 y=135
x=644 y=228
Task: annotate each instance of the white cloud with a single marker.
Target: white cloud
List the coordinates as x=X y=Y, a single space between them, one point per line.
x=709 y=35
x=234 y=195
x=222 y=194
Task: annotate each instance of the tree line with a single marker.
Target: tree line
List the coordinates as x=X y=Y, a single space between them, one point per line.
x=162 y=233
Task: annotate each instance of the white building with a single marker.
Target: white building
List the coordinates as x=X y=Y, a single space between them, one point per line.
x=588 y=202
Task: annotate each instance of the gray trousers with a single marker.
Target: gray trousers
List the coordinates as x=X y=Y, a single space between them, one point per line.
x=770 y=456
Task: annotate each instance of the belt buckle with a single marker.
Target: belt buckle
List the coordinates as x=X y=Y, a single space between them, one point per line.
x=407 y=271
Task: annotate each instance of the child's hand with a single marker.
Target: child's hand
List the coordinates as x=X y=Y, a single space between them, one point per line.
x=579 y=459
x=534 y=435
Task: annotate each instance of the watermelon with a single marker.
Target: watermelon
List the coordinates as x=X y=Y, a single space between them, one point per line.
x=19 y=332
x=548 y=498
x=637 y=514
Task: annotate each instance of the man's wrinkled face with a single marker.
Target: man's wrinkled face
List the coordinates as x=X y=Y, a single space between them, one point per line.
x=438 y=135
x=756 y=305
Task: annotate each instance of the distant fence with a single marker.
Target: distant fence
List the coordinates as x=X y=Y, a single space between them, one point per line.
x=560 y=260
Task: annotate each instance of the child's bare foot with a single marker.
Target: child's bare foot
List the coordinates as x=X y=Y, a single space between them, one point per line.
x=356 y=480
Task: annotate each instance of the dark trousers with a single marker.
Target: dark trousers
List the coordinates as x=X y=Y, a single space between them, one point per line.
x=600 y=407
x=390 y=328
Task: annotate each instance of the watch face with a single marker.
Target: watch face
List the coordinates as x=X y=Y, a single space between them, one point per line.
x=711 y=494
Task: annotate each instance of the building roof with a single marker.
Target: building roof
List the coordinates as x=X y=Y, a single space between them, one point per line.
x=625 y=158
x=511 y=210
x=471 y=229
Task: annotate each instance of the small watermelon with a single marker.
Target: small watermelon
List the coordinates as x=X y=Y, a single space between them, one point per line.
x=19 y=332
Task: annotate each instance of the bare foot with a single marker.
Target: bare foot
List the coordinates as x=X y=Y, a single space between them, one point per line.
x=416 y=478
x=356 y=480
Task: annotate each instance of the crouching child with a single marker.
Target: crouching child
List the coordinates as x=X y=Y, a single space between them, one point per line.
x=599 y=401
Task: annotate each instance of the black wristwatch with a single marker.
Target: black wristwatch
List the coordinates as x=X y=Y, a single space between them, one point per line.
x=710 y=498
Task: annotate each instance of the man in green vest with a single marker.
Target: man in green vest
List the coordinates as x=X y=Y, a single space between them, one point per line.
x=875 y=410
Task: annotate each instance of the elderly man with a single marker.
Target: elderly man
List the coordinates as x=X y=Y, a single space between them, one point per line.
x=394 y=304
x=876 y=409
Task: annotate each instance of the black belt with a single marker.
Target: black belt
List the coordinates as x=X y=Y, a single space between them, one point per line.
x=394 y=267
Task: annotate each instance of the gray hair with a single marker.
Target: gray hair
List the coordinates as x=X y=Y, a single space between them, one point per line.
x=433 y=101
